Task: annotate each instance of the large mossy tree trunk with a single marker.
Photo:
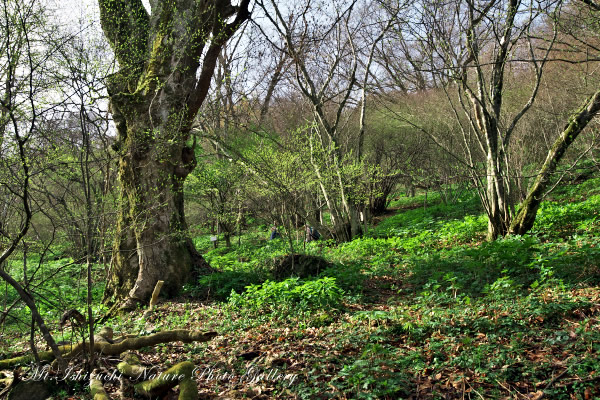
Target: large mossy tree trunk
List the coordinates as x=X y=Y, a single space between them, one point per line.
x=166 y=61
x=525 y=218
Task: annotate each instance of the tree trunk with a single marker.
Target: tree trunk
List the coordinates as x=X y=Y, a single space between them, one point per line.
x=154 y=99
x=495 y=223
x=498 y=204
x=525 y=218
x=355 y=225
x=152 y=242
x=379 y=204
x=496 y=196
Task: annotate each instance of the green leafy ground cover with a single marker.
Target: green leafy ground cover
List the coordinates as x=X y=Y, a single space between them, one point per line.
x=58 y=285
x=419 y=308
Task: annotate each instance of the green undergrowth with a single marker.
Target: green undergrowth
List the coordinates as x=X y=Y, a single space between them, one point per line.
x=288 y=296
x=420 y=307
x=558 y=220
x=438 y=341
x=442 y=342
x=57 y=286
x=464 y=213
x=442 y=243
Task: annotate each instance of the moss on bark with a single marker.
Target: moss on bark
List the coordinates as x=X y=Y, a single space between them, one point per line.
x=154 y=99
x=97 y=390
x=525 y=218
x=131 y=370
x=188 y=390
x=27 y=359
x=166 y=380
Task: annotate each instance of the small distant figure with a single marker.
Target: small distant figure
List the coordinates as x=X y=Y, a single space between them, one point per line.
x=274 y=233
x=311 y=234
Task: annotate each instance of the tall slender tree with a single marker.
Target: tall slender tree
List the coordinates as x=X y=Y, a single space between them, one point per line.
x=475 y=47
x=166 y=58
x=332 y=63
x=25 y=53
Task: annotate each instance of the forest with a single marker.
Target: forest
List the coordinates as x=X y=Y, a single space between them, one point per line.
x=310 y=199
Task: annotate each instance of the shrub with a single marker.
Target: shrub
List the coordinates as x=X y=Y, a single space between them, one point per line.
x=299 y=265
x=290 y=295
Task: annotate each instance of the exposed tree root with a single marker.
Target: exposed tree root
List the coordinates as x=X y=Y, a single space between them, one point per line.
x=97 y=390
x=43 y=355
x=116 y=348
x=188 y=390
x=180 y=374
x=9 y=383
x=130 y=367
x=177 y=335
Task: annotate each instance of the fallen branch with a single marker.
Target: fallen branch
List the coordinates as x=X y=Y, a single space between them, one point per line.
x=154 y=298
x=177 y=335
x=155 y=294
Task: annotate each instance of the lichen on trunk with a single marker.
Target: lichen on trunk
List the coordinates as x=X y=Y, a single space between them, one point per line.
x=151 y=243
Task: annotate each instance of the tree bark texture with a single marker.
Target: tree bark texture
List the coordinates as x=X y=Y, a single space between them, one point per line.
x=486 y=97
x=166 y=61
